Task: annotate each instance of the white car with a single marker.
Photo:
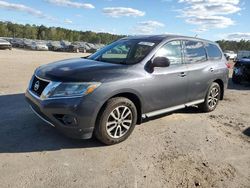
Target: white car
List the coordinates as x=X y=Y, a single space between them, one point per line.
x=39 y=46
x=230 y=54
x=4 y=44
x=243 y=54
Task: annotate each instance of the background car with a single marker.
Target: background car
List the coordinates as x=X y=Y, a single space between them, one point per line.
x=243 y=54
x=17 y=42
x=4 y=44
x=241 y=71
x=27 y=43
x=39 y=46
x=55 y=46
x=230 y=55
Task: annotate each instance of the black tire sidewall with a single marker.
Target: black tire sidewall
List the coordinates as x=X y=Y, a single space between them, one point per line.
x=101 y=132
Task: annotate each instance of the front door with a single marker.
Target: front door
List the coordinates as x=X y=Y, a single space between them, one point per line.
x=168 y=87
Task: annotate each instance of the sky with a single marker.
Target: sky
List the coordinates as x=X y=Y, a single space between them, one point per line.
x=209 y=19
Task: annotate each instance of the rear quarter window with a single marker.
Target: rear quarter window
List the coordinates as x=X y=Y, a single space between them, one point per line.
x=194 y=52
x=213 y=52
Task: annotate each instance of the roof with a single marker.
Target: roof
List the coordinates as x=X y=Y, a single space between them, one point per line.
x=163 y=37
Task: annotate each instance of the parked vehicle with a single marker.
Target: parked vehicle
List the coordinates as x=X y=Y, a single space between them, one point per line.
x=4 y=44
x=39 y=46
x=27 y=43
x=230 y=55
x=55 y=46
x=241 y=70
x=17 y=43
x=243 y=54
x=107 y=93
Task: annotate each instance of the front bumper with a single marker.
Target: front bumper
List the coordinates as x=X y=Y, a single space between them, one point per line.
x=5 y=46
x=83 y=110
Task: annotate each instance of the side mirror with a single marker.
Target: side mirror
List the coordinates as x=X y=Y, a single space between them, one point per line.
x=157 y=62
x=160 y=62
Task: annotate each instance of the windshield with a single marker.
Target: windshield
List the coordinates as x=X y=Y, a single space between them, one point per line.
x=124 y=51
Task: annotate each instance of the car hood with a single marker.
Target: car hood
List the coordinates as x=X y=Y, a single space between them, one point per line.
x=82 y=70
x=4 y=43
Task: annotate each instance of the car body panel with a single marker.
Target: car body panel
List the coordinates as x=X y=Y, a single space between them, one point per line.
x=201 y=75
x=242 y=69
x=165 y=87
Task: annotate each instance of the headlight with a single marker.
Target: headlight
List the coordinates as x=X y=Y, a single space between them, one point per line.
x=57 y=89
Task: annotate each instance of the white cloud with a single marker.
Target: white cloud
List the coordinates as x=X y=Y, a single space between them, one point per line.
x=68 y=21
x=122 y=11
x=164 y=1
x=209 y=14
x=24 y=8
x=78 y=15
x=69 y=3
x=147 y=27
x=207 y=22
x=236 y=36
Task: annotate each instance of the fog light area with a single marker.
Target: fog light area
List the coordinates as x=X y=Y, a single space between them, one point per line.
x=66 y=119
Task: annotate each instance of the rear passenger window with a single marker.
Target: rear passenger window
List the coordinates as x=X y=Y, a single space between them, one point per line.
x=172 y=51
x=194 y=52
x=213 y=52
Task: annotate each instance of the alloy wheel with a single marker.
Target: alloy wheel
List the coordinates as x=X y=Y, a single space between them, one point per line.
x=213 y=97
x=119 y=122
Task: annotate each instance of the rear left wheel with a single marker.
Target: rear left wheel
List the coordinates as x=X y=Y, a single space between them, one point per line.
x=116 y=121
x=212 y=98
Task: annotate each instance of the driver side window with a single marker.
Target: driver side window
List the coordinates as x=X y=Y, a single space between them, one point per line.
x=173 y=51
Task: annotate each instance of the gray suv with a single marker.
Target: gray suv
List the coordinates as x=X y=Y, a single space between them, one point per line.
x=112 y=90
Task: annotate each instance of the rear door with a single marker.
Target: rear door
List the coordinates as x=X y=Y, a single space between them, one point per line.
x=200 y=69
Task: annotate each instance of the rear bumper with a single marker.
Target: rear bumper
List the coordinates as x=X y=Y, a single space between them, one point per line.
x=51 y=111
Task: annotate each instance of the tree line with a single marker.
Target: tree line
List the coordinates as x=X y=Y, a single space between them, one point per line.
x=234 y=45
x=8 y=29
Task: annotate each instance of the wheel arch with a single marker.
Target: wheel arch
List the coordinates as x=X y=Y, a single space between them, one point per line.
x=129 y=95
x=221 y=84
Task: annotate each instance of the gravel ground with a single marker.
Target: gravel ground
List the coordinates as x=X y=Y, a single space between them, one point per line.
x=183 y=149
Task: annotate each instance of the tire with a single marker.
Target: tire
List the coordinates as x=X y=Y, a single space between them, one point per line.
x=212 y=98
x=111 y=128
x=236 y=79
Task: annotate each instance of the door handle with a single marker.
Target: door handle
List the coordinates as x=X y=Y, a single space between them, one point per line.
x=211 y=69
x=182 y=74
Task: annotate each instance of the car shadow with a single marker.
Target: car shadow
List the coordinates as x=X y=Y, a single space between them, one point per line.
x=242 y=86
x=22 y=131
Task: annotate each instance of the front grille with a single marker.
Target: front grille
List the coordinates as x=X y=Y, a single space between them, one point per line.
x=38 y=86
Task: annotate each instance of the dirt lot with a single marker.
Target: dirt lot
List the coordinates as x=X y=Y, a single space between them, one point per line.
x=182 y=149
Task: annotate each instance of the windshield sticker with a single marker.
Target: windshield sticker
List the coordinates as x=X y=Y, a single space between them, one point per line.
x=147 y=43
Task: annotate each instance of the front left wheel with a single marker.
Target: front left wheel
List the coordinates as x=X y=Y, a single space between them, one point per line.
x=116 y=121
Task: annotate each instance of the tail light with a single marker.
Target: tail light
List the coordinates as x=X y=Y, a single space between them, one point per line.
x=228 y=65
